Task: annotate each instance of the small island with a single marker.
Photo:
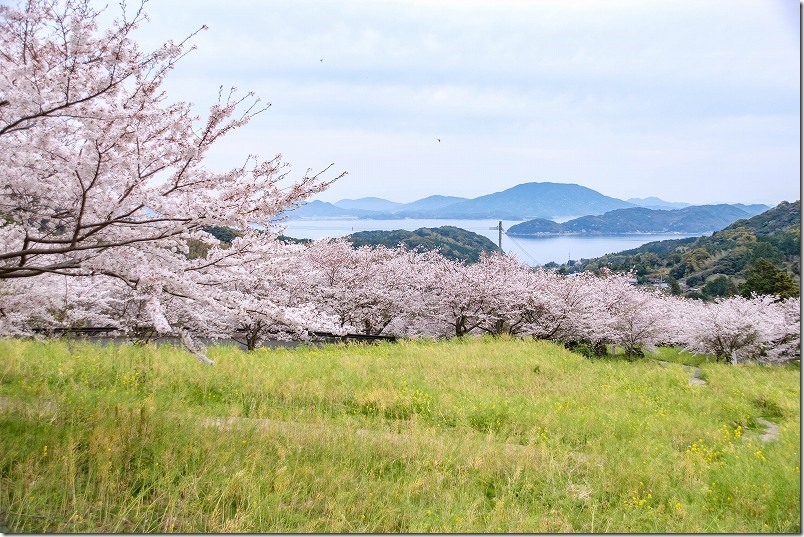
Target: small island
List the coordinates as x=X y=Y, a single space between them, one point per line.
x=700 y=219
x=452 y=242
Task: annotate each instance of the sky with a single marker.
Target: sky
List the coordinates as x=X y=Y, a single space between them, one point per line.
x=685 y=100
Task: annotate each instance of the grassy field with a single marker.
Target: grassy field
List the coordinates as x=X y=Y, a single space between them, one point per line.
x=480 y=435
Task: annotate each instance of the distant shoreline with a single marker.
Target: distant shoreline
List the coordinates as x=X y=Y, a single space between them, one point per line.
x=540 y=235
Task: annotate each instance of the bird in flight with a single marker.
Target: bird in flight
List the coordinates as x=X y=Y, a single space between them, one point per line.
x=439 y=139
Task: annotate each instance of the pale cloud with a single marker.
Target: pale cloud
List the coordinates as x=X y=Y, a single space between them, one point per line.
x=694 y=101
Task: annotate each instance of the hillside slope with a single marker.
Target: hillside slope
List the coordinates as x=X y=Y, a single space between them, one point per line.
x=763 y=249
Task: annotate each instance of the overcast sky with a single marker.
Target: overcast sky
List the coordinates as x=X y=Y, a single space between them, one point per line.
x=694 y=101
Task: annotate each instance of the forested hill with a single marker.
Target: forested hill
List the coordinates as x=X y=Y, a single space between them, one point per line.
x=759 y=254
x=695 y=219
x=452 y=242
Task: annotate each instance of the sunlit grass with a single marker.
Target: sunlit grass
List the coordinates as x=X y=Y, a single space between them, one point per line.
x=679 y=356
x=479 y=435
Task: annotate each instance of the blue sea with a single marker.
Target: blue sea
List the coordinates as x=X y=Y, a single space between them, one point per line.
x=533 y=251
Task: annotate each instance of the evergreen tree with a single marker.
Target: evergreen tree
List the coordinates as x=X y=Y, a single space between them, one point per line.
x=765 y=279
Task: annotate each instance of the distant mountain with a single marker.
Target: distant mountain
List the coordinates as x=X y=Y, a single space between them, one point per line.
x=554 y=201
x=653 y=202
x=452 y=242
x=369 y=204
x=316 y=209
x=693 y=219
x=533 y=200
x=429 y=203
x=722 y=264
x=752 y=210
x=657 y=203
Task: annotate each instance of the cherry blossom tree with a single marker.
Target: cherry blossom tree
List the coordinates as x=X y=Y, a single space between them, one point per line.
x=94 y=156
x=634 y=318
x=787 y=340
x=269 y=296
x=456 y=300
x=365 y=288
x=503 y=283
x=102 y=174
x=734 y=329
x=52 y=303
x=562 y=310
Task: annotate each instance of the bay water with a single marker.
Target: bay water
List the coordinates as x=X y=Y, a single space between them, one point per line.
x=533 y=251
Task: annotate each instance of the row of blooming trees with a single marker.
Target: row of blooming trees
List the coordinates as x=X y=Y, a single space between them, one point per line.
x=292 y=291
x=105 y=188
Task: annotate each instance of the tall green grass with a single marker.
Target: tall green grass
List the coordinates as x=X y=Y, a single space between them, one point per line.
x=473 y=435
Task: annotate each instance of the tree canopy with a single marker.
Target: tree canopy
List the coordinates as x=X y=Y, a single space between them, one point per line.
x=102 y=172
